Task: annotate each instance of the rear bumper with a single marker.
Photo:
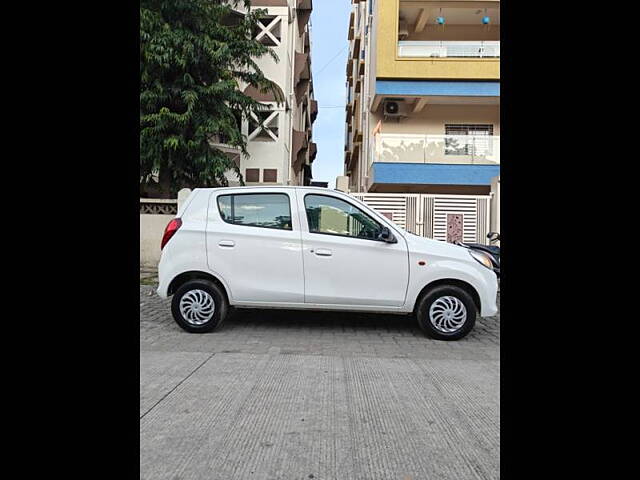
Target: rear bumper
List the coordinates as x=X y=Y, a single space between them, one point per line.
x=162 y=291
x=163 y=279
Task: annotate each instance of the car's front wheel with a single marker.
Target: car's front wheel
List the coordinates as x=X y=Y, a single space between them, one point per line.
x=446 y=312
x=199 y=306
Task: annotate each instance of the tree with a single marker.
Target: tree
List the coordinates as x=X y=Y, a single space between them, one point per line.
x=193 y=56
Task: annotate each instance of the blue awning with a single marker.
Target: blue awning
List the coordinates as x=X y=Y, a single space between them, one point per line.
x=434 y=88
x=433 y=173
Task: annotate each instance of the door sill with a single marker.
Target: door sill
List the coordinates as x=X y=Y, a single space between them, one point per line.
x=322 y=307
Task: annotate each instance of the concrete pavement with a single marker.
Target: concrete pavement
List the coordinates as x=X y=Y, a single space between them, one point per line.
x=295 y=395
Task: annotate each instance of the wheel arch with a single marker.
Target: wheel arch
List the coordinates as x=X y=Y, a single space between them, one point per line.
x=184 y=277
x=467 y=287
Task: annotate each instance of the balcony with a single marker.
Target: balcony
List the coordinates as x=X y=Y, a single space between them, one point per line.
x=437 y=149
x=220 y=142
x=351 y=33
x=449 y=49
x=438 y=40
x=313 y=110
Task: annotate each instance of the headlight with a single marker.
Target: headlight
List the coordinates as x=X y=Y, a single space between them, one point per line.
x=482 y=258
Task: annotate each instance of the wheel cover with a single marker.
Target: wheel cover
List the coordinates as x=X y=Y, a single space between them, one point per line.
x=448 y=314
x=197 y=307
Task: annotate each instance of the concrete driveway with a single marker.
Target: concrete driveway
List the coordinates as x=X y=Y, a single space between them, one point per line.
x=295 y=395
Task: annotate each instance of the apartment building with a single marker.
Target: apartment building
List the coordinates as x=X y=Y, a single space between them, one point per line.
x=423 y=96
x=280 y=138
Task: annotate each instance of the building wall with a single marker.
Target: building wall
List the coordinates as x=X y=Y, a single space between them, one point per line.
x=433 y=118
x=271 y=154
x=291 y=114
x=377 y=34
x=361 y=48
x=268 y=154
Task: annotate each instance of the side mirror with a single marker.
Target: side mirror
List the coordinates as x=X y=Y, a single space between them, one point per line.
x=386 y=236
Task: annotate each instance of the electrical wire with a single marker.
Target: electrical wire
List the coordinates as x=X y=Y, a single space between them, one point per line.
x=332 y=59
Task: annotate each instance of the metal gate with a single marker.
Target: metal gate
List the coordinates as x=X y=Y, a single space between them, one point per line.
x=426 y=215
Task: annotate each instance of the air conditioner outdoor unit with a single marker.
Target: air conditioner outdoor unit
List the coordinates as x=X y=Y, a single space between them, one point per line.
x=394 y=109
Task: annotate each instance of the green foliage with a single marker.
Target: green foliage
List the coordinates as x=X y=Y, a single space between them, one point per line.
x=193 y=53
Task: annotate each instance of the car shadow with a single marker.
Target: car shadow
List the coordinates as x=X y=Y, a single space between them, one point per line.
x=327 y=320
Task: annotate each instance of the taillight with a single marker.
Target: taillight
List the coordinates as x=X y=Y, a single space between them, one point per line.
x=171 y=229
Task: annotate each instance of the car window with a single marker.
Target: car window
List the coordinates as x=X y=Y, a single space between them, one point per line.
x=332 y=216
x=266 y=210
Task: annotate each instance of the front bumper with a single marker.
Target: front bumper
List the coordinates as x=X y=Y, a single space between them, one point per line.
x=490 y=308
x=489 y=297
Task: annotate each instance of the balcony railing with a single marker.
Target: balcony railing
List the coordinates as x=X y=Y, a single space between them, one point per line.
x=449 y=49
x=460 y=149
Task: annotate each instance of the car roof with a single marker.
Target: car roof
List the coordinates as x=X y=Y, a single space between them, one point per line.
x=256 y=187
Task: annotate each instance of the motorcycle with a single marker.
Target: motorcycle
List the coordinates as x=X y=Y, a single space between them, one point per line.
x=492 y=250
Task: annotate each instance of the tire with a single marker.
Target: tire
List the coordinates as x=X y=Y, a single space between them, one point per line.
x=454 y=311
x=204 y=304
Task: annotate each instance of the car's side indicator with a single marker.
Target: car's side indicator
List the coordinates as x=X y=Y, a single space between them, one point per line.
x=422 y=263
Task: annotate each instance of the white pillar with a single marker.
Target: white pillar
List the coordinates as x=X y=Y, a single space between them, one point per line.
x=342 y=184
x=495 y=204
x=182 y=196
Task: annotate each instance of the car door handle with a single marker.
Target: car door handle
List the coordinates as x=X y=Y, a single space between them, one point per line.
x=323 y=252
x=227 y=243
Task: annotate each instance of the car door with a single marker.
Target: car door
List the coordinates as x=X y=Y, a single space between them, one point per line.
x=253 y=243
x=344 y=262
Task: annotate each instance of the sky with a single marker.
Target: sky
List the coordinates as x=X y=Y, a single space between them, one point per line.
x=329 y=49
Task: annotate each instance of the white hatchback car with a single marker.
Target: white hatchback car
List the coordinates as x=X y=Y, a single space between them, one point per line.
x=315 y=249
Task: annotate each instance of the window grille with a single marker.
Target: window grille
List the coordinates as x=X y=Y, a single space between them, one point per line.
x=263 y=126
x=475 y=145
x=270 y=175
x=252 y=175
x=269 y=31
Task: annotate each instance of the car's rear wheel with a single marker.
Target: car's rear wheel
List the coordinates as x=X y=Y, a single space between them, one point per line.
x=199 y=306
x=446 y=312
